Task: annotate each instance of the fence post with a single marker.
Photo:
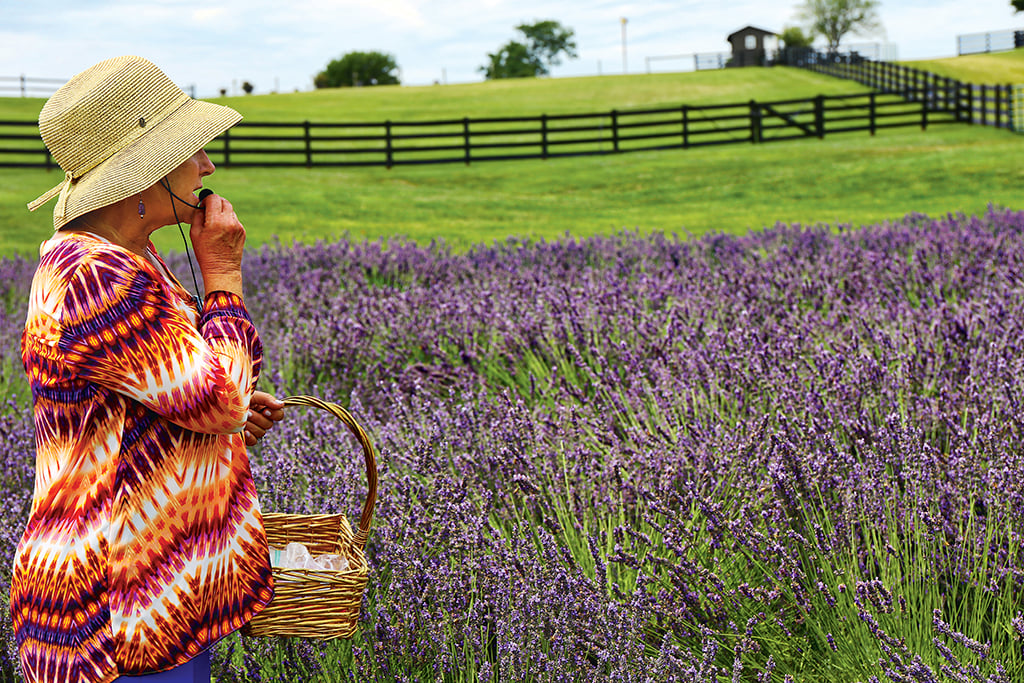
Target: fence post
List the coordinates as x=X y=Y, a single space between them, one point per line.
x=1011 y=109
x=309 y=144
x=388 y=152
x=819 y=116
x=465 y=138
x=543 y=136
x=686 y=126
x=23 y=88
x=984 y=104
x=615 y=130
x=227 y=147
x=755 y=122
x=998 y=106
x=924 y=113
x=872 y=110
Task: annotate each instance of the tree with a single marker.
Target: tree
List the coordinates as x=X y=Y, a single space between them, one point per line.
x=541 y=48
x=794 y=37
x=513 y=60
x=248 y=87
x=358 y=68
x=833 y=19
x=1018 y=5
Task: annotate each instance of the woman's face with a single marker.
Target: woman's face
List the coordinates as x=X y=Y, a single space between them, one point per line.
x=187 y=180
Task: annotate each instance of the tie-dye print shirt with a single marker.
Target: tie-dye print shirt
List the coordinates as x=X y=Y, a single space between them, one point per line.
x=145 y=542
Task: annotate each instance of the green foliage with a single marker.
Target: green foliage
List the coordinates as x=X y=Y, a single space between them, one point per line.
x=1018 y=5
x=513 y=60
x=834 y=19
x=794 y=36
x=359 y=68
x=545 y=41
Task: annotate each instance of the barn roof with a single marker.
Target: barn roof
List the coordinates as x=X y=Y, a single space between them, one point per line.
x=751 y=29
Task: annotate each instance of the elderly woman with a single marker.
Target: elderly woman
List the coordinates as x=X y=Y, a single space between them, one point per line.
x=145 y=543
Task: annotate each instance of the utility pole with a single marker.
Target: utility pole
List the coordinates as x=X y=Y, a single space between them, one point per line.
x=625 y=68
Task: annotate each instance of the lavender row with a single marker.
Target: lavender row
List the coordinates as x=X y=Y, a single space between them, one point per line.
x=786 y=455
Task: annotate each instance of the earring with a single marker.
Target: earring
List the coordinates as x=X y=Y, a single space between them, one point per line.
x=142 y=209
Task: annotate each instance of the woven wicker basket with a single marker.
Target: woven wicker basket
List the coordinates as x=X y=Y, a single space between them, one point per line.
x=319 y=604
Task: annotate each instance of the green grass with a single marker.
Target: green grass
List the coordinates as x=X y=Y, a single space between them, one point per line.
x=537 y=96
x=997 y=68
x=850 y=178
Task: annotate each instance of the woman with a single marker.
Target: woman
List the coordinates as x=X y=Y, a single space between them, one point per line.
x=145 y=543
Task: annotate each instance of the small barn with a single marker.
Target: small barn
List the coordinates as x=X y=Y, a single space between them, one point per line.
x=749 y=46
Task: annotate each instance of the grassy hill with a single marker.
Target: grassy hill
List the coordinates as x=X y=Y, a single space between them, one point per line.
x=996 y=68
x=537 y=96
x=852 y=179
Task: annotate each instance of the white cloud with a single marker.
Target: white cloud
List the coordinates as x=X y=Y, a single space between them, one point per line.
x=209 y=15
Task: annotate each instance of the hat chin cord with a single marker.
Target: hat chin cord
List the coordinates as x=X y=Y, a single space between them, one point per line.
x=195 y=297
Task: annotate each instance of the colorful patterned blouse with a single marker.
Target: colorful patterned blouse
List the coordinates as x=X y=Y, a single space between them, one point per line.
x=145 y=542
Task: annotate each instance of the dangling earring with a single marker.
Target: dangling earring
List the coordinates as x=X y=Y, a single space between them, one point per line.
x=142 y=208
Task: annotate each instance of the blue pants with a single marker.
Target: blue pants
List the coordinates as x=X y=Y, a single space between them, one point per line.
x=195 y=670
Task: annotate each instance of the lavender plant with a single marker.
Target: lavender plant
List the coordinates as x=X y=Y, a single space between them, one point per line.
x=787 y=456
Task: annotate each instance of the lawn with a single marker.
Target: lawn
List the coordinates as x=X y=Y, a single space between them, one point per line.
x=851 y=178
x=998 y=68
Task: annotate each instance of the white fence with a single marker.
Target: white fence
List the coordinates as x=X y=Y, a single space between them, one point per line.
x=993 y=41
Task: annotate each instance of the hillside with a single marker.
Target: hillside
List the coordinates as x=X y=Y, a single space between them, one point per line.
x=568 y=95
x=516 y=97
x=850 y=179
x=997 y=68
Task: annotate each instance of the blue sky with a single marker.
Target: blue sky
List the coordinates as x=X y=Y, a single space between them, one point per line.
x=281 y=45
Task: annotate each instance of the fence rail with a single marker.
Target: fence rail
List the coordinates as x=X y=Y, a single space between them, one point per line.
x=990 y=105
x=24 y=86
x=992 y=41
x=694 y=61
x=398 y=143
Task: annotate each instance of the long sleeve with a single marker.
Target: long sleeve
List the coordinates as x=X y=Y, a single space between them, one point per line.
x=120 y=331
x=145 y=542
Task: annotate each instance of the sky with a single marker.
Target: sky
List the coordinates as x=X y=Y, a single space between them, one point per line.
x=280 y=45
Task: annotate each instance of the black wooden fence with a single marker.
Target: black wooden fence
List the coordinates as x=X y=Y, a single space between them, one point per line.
x=465 y=140
x=990 y=105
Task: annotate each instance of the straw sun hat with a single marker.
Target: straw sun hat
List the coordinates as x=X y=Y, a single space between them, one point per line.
x=116 y=129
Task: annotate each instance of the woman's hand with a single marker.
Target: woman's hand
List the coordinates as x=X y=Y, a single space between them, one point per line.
x=264 y=411
x=218 y=238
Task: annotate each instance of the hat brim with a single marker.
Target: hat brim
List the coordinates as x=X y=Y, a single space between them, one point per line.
x=140 y=165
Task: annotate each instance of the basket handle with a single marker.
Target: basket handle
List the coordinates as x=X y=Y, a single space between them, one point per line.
x=363 y=532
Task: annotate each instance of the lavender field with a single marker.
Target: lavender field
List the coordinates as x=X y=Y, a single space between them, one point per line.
x=796 y=455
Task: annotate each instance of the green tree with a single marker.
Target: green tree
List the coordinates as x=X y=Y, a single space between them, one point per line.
x=542 y=45
x=794 y=37
x=513 y=60
x=833 y=19
x=358 y=68
x=1018 y=5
